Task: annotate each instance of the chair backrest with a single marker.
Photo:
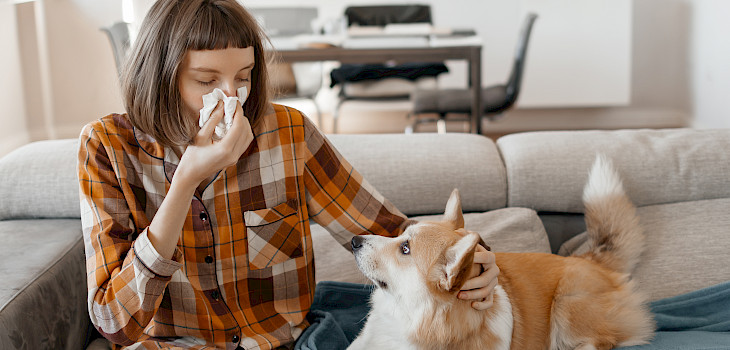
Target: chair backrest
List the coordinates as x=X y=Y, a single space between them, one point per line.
x=118 y=34
x=387 y=14
x=515 y=78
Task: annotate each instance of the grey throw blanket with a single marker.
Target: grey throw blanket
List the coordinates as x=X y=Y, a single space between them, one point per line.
x=696 y=320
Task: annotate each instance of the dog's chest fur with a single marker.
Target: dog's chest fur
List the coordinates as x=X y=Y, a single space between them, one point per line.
x=393 y=324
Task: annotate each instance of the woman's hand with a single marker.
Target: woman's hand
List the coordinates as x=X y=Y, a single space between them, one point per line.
x=205 y=156
x=480 y=289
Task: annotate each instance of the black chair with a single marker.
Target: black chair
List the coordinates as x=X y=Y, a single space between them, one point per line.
x=118 y=34
x=383 y=81
x=495 y=99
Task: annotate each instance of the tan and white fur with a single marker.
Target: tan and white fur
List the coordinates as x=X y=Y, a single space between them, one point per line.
x=542 y=301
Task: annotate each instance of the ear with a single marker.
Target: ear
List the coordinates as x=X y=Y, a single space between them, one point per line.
x=463 y=232
x=453 y=214
x=459 y=260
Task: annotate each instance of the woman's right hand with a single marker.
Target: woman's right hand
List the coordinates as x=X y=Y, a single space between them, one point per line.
x=205 y=156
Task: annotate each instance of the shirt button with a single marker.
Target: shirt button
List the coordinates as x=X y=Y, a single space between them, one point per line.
x=209 y=259
x=215 y=295
x=235 y=339
x=203 y=216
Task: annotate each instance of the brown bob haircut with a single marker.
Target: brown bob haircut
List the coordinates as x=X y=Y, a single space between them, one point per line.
x=172 y=27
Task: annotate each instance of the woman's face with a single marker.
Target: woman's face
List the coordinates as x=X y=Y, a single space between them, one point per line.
x=202 y=71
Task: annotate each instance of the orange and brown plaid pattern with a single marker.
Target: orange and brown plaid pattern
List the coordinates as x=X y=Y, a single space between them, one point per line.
x=242 y=274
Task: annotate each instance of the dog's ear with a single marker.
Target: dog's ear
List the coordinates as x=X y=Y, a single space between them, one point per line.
x=458 y=262
x=453 y=214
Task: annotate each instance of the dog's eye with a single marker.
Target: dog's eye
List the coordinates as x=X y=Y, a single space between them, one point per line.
x=405 y=248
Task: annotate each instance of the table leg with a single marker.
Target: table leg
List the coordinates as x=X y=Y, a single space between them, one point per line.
x=475 y=81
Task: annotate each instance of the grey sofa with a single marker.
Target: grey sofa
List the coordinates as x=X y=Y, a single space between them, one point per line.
x=522 y=193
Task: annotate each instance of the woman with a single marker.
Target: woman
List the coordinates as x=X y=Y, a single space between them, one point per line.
x=197 y=242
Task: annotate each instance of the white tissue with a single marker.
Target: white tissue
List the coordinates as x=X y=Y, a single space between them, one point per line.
x=229 y=108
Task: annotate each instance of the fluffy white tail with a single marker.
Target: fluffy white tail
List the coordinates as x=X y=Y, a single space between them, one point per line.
x=615 y=236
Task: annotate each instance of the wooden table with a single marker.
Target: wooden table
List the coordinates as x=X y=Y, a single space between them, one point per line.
x=471 y=53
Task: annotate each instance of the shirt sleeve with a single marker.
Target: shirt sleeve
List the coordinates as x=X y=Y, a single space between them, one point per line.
x=126 y=275
x=340 y=199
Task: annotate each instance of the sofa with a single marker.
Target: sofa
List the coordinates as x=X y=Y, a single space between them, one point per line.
x=521 y=193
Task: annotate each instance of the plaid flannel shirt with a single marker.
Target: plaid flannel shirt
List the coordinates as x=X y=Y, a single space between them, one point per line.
x=243 y=270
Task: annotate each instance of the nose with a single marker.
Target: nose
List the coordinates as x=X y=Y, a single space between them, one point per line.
x=356 y=242
x=229 y=91
x=229 y=88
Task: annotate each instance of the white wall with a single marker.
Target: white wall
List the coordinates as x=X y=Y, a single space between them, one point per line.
x=58 y=70
x=710 y=63
x=13 y=132
x=579 y=54
x=660 y=80
x=82 y=70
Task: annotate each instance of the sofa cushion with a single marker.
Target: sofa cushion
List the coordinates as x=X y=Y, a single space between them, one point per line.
x=43 y=290
x=686 y=247
x=546 y=171
x=39 y=181
x=418 y=172
x=504 y=230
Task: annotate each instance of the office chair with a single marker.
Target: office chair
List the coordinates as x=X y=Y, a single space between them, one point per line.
x=118 y=34
x=383 y=81
x=301 y=79
x=495 y=99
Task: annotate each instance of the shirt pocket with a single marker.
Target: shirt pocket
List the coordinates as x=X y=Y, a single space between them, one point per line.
x=274 y=235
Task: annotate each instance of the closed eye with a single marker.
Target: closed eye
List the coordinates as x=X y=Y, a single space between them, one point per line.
x=405 y=248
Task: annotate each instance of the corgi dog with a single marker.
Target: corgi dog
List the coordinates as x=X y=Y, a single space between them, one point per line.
x=541 y=301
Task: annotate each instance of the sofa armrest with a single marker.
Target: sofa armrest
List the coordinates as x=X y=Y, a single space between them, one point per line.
x=43 y=294
x=40 y=181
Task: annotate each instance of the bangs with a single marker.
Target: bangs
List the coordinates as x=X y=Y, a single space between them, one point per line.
x=217 y=27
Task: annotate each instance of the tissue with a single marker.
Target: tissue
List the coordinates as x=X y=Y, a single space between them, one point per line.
x=229 y=108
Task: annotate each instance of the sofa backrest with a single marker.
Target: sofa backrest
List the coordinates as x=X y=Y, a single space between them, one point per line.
x=546 y=171
x=417 y=172
x=39 y=180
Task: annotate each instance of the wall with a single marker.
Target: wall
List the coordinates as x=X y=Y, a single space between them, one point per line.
x=710 y=63
x=14 y=131
x=82 y=71
x=59 y=67
x=660 y=81
x=579 y=53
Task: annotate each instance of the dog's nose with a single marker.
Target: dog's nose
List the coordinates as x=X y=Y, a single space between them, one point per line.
x=356 y=242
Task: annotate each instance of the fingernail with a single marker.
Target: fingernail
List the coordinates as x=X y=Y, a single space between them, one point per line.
x=462 y=295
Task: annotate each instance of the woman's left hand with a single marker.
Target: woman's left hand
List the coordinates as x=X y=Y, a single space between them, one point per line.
x=480 y=289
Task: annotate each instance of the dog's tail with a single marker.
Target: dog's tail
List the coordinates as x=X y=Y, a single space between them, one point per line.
x=616 y=239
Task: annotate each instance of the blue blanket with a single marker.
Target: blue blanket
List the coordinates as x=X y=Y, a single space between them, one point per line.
x=696 y=320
